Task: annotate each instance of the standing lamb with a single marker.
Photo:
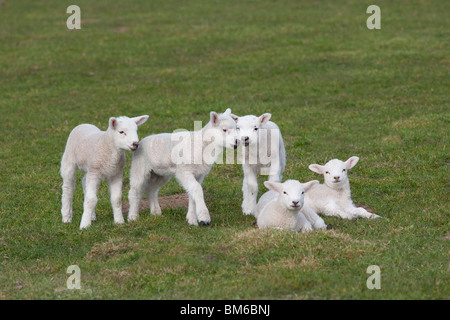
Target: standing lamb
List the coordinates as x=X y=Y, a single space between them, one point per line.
x=334 y=197
x=100 y=155
x=282 y=207
x=158 y=159
x=263 y=152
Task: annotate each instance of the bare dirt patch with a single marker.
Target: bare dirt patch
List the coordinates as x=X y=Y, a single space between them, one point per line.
x=178 y=200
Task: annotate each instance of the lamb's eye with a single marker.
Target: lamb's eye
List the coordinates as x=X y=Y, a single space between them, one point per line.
x=343 y=170
x=256 y=129
x=328 y=172
x=303 y=192
x=122 y=132
x=284 y=192
x=225 y=130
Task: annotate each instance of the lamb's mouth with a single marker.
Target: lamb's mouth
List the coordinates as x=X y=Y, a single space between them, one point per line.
x=246 y=144
x=133 y=148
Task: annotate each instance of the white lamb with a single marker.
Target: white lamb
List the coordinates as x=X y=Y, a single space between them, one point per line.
x=101 y=155
x=334 y=198
x=158 y=159
x=282 y=207
x=262 y=152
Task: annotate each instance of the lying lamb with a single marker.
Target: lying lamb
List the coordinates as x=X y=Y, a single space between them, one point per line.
x=333 y=198
x=263 y=150
x=282 y=207
x=101 y=155
x=158 y=159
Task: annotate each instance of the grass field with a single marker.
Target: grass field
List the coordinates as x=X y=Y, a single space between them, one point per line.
x=334 y=87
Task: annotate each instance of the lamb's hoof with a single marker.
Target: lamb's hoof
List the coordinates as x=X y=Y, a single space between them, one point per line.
x=84 y=226
x=307 y=228
x=204 y=223
x=320 y=224
x=374 y=216
x=329 y=226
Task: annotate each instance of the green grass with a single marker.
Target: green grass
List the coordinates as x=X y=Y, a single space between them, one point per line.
x=335 y=88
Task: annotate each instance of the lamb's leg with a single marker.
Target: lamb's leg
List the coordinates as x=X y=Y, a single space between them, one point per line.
x=316 y=221
x=156 y=182
x=195 y=192
x=68 y=173
x=115 y=188
x=83 y=183
x=138 y=181
x=304 y=224
x=275 y=171
x=191 y=216
x=332 y=209
x=249 y=189
x=361 y=212
x=90 y=199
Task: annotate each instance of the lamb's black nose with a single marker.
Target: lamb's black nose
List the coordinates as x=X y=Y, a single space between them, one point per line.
x=135 y=145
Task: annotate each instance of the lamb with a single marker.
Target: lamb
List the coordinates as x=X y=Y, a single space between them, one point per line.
x=158 y=159
x=282 y=207
x=334 y=198
x=100 y=155
x=263 y=152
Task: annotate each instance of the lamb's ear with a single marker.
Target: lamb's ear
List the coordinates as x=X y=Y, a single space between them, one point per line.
x=234 y=117
x=140 y=120
x=227 y=112
x=264 y=118
x=214 y=117
x=275 y=186
x=351 y=162
x=112 y=122
x=308 y=185
x=317 y=168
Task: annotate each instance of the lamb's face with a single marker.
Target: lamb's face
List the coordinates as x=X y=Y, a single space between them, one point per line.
x=291 y=193
x=229 y=135
x=335 y=172
x=248 y=127
x=224 y=130
x=125 y=131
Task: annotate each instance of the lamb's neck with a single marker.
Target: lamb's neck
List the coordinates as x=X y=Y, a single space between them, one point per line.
x=206 y=141
x=115 y=154
x=207 y=127
x=344 y=190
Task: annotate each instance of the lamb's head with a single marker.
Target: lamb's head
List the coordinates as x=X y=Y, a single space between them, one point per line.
x=335 y=171
x=224 y=129
x=248 y=127
x=124 y=131
x=291 y=192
